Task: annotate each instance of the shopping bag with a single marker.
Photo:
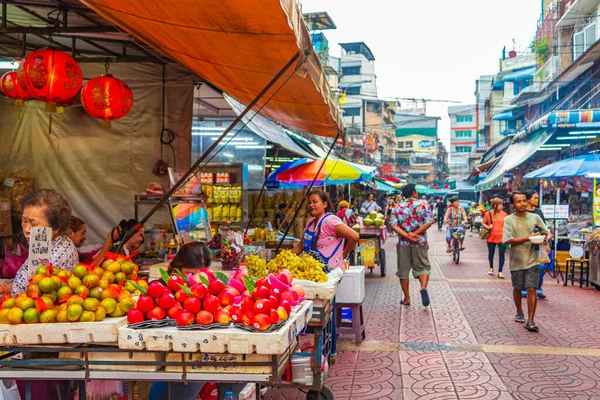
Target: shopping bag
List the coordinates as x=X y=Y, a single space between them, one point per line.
x=543 y=255
x=9 y=390
x=13 y=261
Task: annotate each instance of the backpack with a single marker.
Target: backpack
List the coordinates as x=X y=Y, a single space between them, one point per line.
x=341 y=214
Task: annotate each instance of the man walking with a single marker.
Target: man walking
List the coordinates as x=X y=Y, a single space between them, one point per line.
x=533 y=201
x=410 y=220
x=524 y=263
x=440 y=207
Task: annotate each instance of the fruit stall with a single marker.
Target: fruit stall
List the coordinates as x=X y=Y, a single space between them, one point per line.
x=240 y=326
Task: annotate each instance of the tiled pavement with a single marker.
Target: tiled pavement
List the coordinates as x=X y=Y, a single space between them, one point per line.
x=466 y=345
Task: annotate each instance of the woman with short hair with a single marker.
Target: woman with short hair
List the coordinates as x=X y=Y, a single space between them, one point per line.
x=46 y=208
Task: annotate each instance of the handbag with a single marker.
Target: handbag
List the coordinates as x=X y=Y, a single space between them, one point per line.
x=484 y=232
x=13 y=261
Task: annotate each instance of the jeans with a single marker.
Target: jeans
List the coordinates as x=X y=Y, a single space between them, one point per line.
x=492 y=251
x=440 y=221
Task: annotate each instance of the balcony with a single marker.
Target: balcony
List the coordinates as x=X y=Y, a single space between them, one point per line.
x=519 y=62
x=576 y=12
x=547 y=72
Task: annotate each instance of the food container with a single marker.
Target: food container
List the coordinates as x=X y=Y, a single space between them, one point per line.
x=537 y=239
x=302 y=371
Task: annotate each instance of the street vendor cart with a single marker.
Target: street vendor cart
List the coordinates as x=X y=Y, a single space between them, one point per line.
x=370 y=251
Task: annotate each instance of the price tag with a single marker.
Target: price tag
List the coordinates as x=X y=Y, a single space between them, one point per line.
x=40 y=246
x=9 y=182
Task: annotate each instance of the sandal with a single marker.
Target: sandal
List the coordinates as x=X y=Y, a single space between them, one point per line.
x=463 y=248
x=520 y=318
x=404 y=303
x=532 y=327
x=424 y=297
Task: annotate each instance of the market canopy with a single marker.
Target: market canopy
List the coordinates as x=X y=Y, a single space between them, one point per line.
x=238 y=47
x=571 y=167
x=384 y=186
x=517 y=152
x=503 y=116
x=333 y=172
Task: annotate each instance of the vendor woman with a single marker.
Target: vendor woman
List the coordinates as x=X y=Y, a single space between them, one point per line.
x=325 y=234
x=46 y=208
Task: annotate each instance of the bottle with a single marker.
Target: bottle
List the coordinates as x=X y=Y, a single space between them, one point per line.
x=228 y=396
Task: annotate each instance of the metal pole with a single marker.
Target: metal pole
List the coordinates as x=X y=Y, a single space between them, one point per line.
x=184 y=178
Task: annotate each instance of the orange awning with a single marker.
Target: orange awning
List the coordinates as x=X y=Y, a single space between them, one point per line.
x=237 y=46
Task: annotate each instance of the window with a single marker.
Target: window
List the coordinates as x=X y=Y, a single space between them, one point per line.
x=400 y=145
x=463 y=149
x=404 y=162
x=351 y=112
x=352 y=90
x=408 y=144
x=350 y=71
x=583 y=39
x=464 y=118
x=463 y=134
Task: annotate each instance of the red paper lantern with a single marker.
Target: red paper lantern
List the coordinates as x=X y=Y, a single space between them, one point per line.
x=22 y=80
x=11 y=88
x=52 y=76
x=107 y=98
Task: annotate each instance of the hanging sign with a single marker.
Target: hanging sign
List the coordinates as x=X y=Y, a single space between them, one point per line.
x=40 y=245
x=552 y=211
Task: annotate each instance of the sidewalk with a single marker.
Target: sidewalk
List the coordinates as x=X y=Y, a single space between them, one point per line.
x=466 y=345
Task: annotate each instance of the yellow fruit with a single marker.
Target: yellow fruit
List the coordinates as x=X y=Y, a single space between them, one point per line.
x=9 y=303
x=31 y=316
x=106 y=263
x=113 y=267
x=96 y=293
x=121 y=260
x=103 y=283
x=142 y=283
x=109 y=276
x=74 y=300
x=80 y=271
x=57 y=282
x=74 y=312
x=129 y=287
x=47 y=301
x=117 y=313
x=26 y=303
x=61 y=316
x=55 y=270
x=64 y=274
x=15 y=316
x=33 y=290
x=98 y=271
x=47 y=284
x=48 y=316
x=120 y=276
x=126 y=304
x=52 y=295
x=127 y=267
x=90 y=280
x=91 y=304
x=81 y=290
x=110 y=305
x=87 y=316
x=63 y=292
x=4 y=315
x=41 y=270
x=100 y=314
x=74 y=282
x=37 y=278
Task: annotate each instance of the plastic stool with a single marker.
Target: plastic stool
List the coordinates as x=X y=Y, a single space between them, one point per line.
x=356 y=327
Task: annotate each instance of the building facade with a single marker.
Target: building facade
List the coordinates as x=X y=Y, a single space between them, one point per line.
x=463 y=139
x=417 y=147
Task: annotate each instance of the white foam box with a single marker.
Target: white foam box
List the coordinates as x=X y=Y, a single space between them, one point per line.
x=105 y=332
x=319 y=292
x=352 y=287
x=230 y=340
x=136 y=356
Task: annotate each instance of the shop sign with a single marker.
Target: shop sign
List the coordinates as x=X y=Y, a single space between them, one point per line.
x=424 y=144
x=596 y=203
x=552 y=211
x=40 y=245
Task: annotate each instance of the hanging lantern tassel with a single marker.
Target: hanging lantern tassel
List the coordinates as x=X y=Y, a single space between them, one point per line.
x=106 y=124
x=50 y=107
x=50 y=125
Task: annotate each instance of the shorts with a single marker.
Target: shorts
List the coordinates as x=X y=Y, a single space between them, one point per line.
x=525 y=278
x=412 y=258
x=450 y=231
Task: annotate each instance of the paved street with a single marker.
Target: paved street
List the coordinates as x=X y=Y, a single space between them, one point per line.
x=466 y=345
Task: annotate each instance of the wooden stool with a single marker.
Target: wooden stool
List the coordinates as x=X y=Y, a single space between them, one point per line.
x=356 y=327
x=584 y=265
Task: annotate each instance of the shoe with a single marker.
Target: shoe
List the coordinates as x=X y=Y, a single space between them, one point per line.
x=424 y=297
x=500 y=275
x=491 y=271
x=540 y=294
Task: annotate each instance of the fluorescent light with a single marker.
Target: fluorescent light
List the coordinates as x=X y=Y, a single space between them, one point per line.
x=228 y=155
x=583 y=132
x=556 y=145
x=550 y=149
x=255 y=168
x=576 y=137
x=245 y=146
x=594 y=175
x=9 y=64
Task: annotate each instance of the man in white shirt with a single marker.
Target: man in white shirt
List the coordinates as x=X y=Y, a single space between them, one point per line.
x=369 y=205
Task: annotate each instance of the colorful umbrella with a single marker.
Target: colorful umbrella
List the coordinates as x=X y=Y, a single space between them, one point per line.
x=273 y=183
x=568 y=168
x=333 y=172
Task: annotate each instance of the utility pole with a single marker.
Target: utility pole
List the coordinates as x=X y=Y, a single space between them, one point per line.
x=476 y=113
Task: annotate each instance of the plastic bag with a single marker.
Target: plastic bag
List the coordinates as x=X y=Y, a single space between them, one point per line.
x=543 y=256
x=13 y=261
x=9 y=393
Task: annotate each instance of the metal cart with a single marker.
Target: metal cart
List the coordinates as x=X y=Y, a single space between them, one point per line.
x=377 y=235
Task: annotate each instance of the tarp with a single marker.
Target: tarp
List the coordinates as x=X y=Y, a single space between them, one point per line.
x=237 y=46
x=516 y=153
x=526 y=73
x=569 y=168
x=266 y=128
x=503 y=116
x=100 y=170
x=383 y=186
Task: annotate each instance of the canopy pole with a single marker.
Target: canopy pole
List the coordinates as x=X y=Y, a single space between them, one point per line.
x=262 y=189
x=556 y=222
x=307 y=192
x=190 y=171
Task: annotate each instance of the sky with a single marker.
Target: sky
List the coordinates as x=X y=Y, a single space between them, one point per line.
x=432 y=49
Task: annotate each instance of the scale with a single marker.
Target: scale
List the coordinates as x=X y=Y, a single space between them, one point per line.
x=576 y=249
